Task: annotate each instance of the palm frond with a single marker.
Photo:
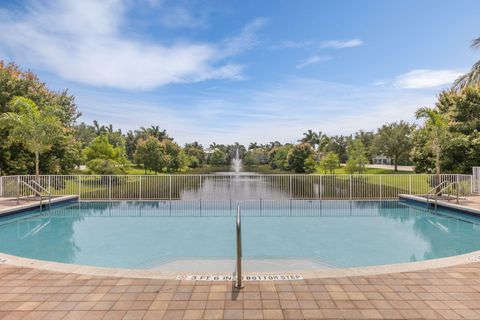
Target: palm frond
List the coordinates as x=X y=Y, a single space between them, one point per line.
x=422 y=112
x=470 y=78
x=476 y=43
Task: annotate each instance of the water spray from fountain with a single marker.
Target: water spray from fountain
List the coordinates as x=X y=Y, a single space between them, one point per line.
x=236 y=162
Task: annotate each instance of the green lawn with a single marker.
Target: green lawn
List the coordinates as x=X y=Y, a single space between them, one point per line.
x=342 y=170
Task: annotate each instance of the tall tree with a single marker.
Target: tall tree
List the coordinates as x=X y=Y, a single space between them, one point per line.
x=14 y=157
x=37 y=130
x=367 y=138
x=357 y=159
x=473 y=76
x=151 y=153
x=330 y=162
x=217 y=158
x=310 y=137
x=462 y=148
x=436 y=125
x=252 y=145
x=300 y=158
x=394 y=141
x=102 y=157
x=278 y=157
x=175 y=158
x=196 y=153
x=322 y=141
x=338 y=145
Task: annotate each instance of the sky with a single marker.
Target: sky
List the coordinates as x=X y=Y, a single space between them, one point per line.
x=243 y=70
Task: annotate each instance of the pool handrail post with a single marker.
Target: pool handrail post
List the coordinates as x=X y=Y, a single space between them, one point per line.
x=458 y=187
x=239 y=282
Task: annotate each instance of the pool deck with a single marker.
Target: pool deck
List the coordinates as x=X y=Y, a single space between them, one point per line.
x=30 y=290
x=445 y=293
x=469 y=204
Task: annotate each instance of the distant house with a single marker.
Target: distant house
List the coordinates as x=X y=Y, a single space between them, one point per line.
x=381 y=159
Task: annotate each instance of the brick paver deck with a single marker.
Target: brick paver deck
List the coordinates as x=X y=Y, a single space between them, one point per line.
x=449 y=293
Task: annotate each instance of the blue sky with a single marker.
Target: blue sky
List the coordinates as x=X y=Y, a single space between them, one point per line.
x=243 y=71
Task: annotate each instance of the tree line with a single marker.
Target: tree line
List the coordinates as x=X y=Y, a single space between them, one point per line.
x=40 y=133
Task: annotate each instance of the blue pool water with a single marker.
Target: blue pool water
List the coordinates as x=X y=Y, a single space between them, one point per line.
x=183 y=235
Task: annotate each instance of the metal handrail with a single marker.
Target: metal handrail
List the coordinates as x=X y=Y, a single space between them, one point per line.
x=34 y=190
x=239 y=282
x=43 y=189
x=38 y=193
x=40 y=186
x=436 y=187
x=436 y=194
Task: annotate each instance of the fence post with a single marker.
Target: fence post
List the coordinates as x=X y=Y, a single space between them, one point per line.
x=458 y=184
x=350 y=187
x=380 y=187
x=472 y=188
x=200 y=190
x=409 y=184
x=110 y=187
x=140 y=187
x=79 y=187
x=170 y=187
x=18 y=189
x=290 y=186
x=320 y=188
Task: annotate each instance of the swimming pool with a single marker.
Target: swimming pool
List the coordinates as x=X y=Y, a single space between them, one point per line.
x=277 y=235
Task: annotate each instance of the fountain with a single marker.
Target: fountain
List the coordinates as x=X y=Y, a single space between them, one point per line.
x=236 y=163
x=244 y=185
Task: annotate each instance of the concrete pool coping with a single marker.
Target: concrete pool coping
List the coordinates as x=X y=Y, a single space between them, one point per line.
x=33 y=204
x=441 y=203
x=305 y=274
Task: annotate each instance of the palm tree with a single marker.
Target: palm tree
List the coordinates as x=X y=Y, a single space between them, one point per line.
x=437 y=125
x=154 y=131
x=322 y=140
x=253 y=145
x=310 y=137
x=37 y=130
x=473 y=76
x=194 y=145
x=98 y=129
x=213 y=146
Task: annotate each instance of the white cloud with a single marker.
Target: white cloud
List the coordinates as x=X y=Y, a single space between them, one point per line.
x=312 y=60
x=275 y=112
x=245 y=40
x=341 y=44
x=180 y=17
x=85 y=41
x=335 y=44
x=424 y=78
x=294 y=44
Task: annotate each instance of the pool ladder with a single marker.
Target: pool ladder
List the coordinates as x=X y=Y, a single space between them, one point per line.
x=239 y=281
x=35 y=188
x=440 y=188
